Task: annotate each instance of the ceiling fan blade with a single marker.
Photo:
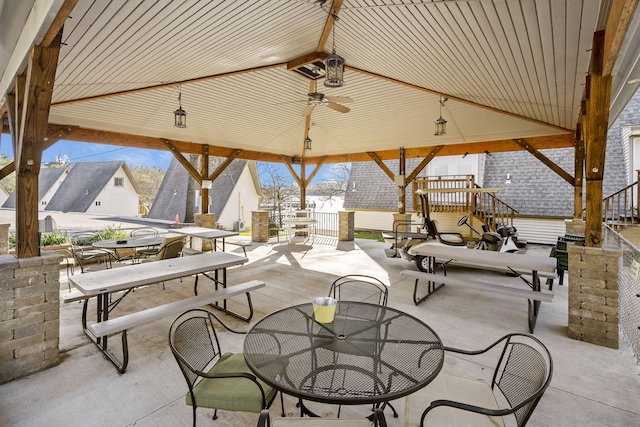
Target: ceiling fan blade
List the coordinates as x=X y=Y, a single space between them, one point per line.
x=341 y=99
x=338 y=107
x=307 y=111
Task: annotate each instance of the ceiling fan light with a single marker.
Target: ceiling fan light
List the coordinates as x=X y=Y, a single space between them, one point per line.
x=334 y=70
x=441 y=126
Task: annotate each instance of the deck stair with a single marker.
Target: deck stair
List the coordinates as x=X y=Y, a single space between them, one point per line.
x=485 y=207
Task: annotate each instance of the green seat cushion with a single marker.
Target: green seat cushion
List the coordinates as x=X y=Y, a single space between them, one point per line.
x=447 y=387
x=231 y=394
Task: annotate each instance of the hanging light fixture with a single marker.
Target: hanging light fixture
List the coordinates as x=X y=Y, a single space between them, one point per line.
x=307 y=143
x=334 y=63
x=441 y=124
x=180 y=114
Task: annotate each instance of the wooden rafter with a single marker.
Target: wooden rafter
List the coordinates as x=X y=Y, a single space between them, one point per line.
x=183 y=161
x=306 y=59
x=620 y=16
x=287 y=162
x=225 y=164
x=313 y=173
x=328 y=25
x=380 y=163
x=423 y=164
x=58 y=22
x=547 y=161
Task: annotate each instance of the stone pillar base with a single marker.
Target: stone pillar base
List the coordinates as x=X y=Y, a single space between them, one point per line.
x=346 y=226
x=260 y=226
x=29 y=314
x=401 y=222
x=575 y=226
x=593 y=294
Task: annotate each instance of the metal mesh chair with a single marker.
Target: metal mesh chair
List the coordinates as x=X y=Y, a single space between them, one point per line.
x=216 y=380
x=356 y=287
x=361 y=288
x=83 y=253
x=520 y=378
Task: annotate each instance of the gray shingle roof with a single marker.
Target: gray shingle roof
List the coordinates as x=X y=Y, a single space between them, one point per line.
x=172 y=194
x=46 y=178
x=83 y=184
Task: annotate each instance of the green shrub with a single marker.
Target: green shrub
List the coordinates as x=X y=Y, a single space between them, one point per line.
x=56 y=237
x=112 y=232
x=369 y=235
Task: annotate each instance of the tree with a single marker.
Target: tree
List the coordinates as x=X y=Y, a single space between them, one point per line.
x=148 y=181
x=336 y=185
x=277 y=187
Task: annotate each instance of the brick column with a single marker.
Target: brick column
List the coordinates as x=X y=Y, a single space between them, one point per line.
x=29 y=314
x=4 y=239
x=259 y=226
x=593 y=294
x=346 y=225
x=404 y=218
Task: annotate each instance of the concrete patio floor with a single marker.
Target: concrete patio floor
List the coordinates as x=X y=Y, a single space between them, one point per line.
x=591 y=386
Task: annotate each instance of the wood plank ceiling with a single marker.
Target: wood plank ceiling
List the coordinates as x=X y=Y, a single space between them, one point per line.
x=511 y=69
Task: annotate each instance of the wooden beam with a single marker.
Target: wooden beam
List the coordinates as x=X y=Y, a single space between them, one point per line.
x=579 y=173
x=402 y=189
x=547 y=161
x=329 y=23
x=41 y=71
x=16 y=112
x=287 y=162
x=58 y=22
x=423 y=164
x=455 y=98
x=315 y=171
x=163 y=85
x=183 y=161
x=621 y=14
x=303 y=187
x=379 y=162
x=224 y=164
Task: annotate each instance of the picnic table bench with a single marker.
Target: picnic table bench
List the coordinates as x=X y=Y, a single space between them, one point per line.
x=520 y=265
x=102 y=284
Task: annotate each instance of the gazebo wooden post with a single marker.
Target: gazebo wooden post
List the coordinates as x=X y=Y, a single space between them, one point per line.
x=30 y=142
x=598 y=100
x=303 y=185
x=402 y=189
x=578 y=172
x=204 y=172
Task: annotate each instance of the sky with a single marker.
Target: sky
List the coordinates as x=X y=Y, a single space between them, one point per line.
x=86 y=152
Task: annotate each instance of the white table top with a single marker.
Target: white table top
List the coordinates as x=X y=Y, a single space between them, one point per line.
x=129 y=242
x=117 y=279
x=502 y=259
x=205 y=233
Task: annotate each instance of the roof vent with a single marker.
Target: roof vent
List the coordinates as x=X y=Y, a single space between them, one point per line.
x=313 y=71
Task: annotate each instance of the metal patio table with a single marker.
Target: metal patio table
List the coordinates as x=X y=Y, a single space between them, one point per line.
x=133 y=243
x=369 y=354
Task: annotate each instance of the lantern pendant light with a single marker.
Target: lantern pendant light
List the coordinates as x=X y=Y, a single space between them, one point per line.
x=334 y=63
x=180 y=114
x=441 y=124
x=307 y=143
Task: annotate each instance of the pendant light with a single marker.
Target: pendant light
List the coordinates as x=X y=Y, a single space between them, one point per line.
x=180 y=114
x=441 y=124
x=334 y=63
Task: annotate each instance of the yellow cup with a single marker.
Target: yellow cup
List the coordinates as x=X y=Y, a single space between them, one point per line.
x=324 y=309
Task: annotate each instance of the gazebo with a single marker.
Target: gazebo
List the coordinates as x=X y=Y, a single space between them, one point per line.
x=308 y=83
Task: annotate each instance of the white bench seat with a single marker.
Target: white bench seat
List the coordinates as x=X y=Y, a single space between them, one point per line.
x=128 y=321
x=500 y=269
x=483 y=286
x=101 y=330
x=73 y=296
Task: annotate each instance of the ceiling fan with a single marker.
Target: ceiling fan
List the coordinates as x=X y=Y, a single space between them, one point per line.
x=316 y=98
